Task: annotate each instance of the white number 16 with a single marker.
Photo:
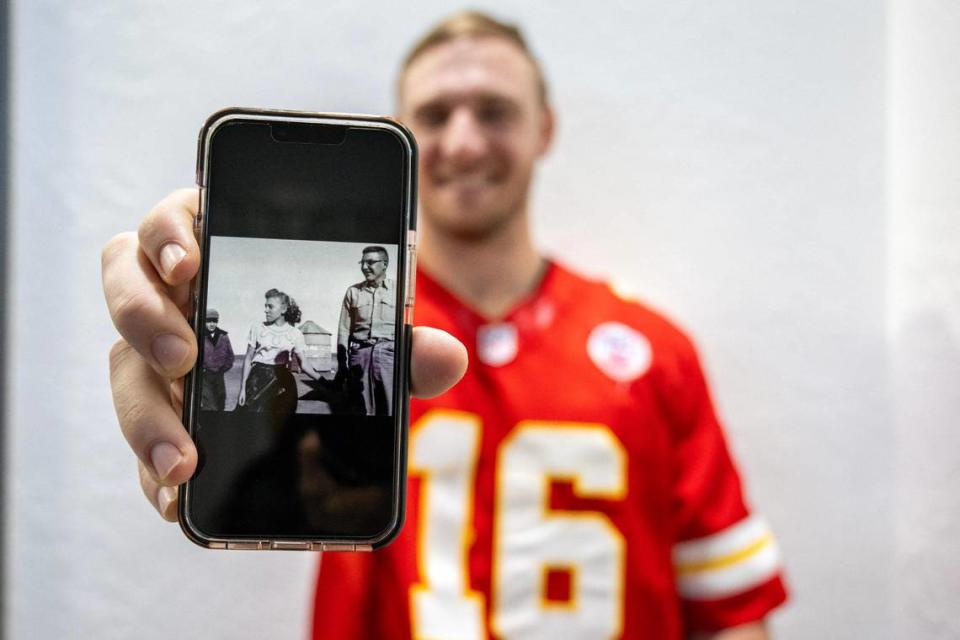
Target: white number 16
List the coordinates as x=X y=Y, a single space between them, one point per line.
x=530 y=540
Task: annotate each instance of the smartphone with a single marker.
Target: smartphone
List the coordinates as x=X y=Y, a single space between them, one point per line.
x=299 y=400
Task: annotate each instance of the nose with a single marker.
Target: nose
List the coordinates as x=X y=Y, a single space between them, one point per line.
x=464 y=140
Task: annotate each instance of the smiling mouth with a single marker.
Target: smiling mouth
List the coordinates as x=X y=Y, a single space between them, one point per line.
x=466 y=181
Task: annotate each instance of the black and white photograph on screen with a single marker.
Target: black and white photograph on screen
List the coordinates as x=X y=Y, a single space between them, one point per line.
x=298 y=326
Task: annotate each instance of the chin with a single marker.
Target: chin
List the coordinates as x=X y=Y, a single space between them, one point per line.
x=473 y=227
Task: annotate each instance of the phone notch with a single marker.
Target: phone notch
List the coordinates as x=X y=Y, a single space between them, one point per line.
x=308 y=133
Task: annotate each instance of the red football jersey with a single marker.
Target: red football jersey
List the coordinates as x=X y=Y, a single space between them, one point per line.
x=574 y=484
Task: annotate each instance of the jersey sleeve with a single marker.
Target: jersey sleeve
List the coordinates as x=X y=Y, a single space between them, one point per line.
x=726 y=562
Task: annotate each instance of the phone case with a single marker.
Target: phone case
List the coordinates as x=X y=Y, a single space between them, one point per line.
x=406 y=290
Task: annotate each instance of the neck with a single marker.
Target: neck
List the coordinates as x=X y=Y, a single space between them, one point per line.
x=492 y=274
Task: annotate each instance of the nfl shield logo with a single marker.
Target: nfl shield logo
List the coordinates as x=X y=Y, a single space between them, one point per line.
x=497 y=344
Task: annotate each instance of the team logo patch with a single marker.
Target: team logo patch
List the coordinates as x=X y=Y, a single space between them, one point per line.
x=622 y=353
x=497 y=344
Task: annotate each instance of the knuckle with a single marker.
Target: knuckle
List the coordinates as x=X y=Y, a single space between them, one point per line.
x=115 y=246
x=119 y=352
x=168 y=216
x=133 y=418
x=151 y=226
x=189 y=197
x=133 y=308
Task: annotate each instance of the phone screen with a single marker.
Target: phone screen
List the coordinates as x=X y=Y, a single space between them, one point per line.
x=299 y=394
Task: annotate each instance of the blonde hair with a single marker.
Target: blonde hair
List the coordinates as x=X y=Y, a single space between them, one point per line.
x=472 y=24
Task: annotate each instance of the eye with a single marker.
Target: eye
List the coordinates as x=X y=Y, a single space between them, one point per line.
x=494 y=113
x=432 y=116
x=491 y=114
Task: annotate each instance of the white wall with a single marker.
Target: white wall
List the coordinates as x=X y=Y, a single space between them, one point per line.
x=924 y=232
x=730 y=160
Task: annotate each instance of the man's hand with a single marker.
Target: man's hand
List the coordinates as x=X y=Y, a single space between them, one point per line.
x=146 y=282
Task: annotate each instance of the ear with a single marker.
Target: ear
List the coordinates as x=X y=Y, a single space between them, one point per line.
x=547 y=129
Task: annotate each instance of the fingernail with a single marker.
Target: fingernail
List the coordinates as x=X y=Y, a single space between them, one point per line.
x=164 y=457
x=170 y=256
x=170 y=351
x=165 y=495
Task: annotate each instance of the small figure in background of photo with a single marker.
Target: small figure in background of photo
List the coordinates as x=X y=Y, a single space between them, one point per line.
x=365 y=339
x=217 y=360
x=267 y=383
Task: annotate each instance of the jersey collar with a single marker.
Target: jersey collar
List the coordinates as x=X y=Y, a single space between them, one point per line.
x=550 y=289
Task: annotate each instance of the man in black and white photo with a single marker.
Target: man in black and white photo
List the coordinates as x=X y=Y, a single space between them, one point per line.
x=217 y=360
x=365 y=338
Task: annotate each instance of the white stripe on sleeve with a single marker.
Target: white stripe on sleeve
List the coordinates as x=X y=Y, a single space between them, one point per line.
x=731 y=561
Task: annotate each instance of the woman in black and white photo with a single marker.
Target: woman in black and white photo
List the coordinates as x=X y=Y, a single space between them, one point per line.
x=268 y=384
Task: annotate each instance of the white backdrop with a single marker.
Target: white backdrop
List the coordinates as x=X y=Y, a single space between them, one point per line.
x=780 y=176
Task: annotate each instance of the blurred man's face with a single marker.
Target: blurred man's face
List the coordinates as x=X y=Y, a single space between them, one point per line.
x=474 y=107
x=211 y=326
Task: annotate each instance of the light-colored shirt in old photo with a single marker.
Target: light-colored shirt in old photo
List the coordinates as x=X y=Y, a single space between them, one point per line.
x=269 y=340
x=368 y=311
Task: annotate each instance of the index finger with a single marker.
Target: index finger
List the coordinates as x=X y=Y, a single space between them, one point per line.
x=142 y=309
x=167 y=237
